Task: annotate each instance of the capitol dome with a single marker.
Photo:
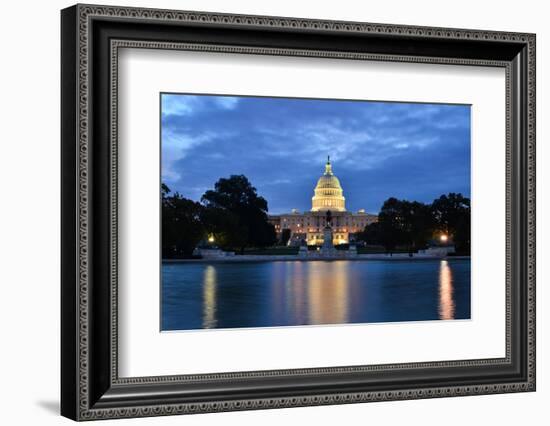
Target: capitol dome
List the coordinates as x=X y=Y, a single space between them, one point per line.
x=329 y=194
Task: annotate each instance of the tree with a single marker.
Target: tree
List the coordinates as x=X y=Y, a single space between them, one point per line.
x=392 y=225
x=452 y=217
x=245 y=222
x=411 y=223
x=401 y=222
x=223 y=226
x=372 y=234
x=182 y=227
x=418 y=224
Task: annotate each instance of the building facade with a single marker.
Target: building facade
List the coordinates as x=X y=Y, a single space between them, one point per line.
x=308 y=226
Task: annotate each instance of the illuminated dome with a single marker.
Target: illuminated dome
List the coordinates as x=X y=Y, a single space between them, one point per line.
x=329 y=194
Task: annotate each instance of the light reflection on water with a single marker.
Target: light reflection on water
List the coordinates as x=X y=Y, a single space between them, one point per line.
x=328 y=288
x=446 y=301
x=224 y=295
x=209 y=298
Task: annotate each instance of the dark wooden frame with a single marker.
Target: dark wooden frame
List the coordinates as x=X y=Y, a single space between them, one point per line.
x=90 y=386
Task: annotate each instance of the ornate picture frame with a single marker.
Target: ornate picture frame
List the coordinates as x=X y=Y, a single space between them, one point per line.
x=91 y=37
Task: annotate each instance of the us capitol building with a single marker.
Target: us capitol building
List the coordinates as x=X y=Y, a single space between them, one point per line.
x=309 y=226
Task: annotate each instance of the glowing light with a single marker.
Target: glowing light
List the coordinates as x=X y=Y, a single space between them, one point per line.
x=211 y=239
x=443 y=238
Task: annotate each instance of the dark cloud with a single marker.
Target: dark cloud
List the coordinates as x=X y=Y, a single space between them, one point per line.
x=379 y=149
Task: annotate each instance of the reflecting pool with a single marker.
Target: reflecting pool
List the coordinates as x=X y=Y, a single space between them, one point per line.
x=285 y=293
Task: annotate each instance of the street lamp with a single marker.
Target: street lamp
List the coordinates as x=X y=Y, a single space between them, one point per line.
x=211 y=239
x=443 y=238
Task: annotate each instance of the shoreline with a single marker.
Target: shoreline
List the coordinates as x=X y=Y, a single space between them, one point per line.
x=399 y=257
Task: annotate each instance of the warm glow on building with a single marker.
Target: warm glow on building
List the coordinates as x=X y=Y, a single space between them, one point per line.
x=329 y=194
x=308 y=226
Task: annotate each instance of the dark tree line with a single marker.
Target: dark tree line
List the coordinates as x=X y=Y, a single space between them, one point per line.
x=452 y=216
x=232 y=214
x=182 y=226
x=413 y=225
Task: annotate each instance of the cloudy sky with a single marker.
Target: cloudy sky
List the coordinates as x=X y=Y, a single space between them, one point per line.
x=377 y=149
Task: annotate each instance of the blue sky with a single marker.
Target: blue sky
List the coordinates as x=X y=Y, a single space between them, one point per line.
x=377 y=149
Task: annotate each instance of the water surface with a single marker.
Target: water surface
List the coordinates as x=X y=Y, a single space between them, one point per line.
x=286 y=293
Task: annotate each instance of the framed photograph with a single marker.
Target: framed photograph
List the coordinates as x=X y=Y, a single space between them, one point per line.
x=263 y=212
